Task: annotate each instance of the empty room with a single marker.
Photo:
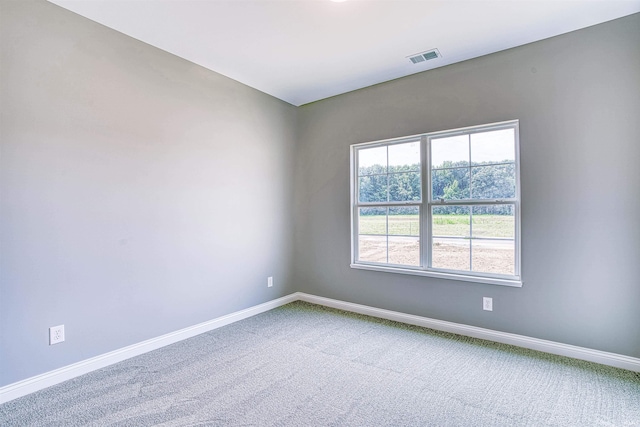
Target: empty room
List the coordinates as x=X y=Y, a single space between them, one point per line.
x=319 y=213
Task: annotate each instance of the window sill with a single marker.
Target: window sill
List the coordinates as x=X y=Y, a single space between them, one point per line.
x=440 y=275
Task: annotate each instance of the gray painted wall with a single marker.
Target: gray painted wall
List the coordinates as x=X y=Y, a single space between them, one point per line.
x=578 y=100
x=130 y=180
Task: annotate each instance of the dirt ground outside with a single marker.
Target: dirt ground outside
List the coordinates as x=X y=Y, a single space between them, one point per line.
x=488 y=257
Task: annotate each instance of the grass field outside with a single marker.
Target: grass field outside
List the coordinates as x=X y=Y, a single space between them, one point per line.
x=502 y=226
x=399 y=225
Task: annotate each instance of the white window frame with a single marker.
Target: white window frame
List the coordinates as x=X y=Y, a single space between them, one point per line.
x=426 y=204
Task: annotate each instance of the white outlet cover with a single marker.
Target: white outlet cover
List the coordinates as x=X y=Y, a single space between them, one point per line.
x=487 y=303
x=269 y=282
x=56 y=334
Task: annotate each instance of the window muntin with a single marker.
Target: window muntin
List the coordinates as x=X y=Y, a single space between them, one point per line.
x=467 y=225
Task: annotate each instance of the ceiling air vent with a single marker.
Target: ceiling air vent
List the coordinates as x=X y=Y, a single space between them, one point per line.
x=424 y=56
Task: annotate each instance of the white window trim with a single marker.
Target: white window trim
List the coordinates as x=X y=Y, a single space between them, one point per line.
x=425 y=210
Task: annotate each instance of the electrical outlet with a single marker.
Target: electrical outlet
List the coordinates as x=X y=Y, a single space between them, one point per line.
x=487 y=303
x=269 y=282
x=56 y=334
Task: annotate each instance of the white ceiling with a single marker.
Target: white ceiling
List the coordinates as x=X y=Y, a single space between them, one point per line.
x=304 y=50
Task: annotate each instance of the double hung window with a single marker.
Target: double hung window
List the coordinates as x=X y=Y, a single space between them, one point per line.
x=444 y=204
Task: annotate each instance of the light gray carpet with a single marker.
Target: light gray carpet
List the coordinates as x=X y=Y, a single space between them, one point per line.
x=306 y=365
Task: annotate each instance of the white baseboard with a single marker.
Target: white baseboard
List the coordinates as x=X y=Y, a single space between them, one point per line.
x=39 y=382
x=597 y=356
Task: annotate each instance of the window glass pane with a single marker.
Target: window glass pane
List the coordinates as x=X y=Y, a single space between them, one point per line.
x=372 y=230
x=496 y=221
x=450 y=254
x=450 y=184
x=493 y=182
x=372 y=160
x=450 y=151
x=372 y=248
x=449 y=221
x=372 y=188
x=404 y=250
x=404 y=221
x=497 y=146
x=404 y=187
x=372 y=221
x=404 y=157
x=447 y=252
x=493 y=256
